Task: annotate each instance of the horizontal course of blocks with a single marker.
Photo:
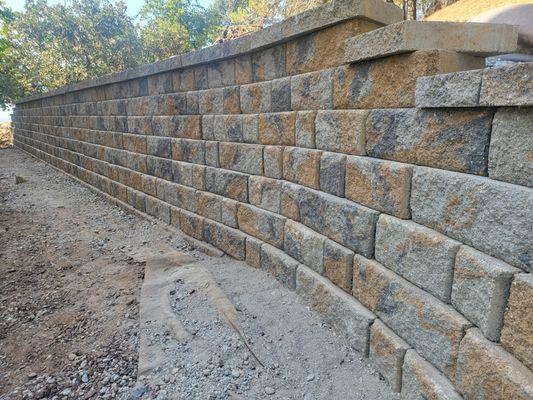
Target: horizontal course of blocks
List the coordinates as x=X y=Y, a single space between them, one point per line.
x=408 y=229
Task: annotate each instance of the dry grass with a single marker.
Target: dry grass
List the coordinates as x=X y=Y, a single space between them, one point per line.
x=463 y=10
x=6 y=137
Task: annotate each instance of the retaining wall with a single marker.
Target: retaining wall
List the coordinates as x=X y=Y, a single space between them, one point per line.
x=386 y=178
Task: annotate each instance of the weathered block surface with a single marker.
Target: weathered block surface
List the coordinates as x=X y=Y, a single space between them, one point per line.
x=458 y=89
x=341 y=131
x=302 y=166
x=517 y=332
x=480 y=289
x=304 y=245
x=279 y=264
x=386 y=352
x=265 y=193
x=247 y=158
x=511 y=146
x=420 y=380
x=338 y=264
x=454 y=140
x=507 y=86
x=337 y=307
x=227 y=183
x=419 y=254
x=407 y=36
x=382 y=185
x=230 y=241
x=261 y=224
x=492 y=216
x=431 y=327
x=312 y=91
x=332 y=173
x=486 y=371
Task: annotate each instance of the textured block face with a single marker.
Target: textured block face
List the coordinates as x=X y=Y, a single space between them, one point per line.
x=140 y=125
x=305 y=129
x=338 y=265
x=431 y=327
x=517 y=333
x=268 y=64
x=406 y=248
x=341 y=131
x=250 y=128
x=159 y=147
x=332 y=173
x=188 y=150
x=391 y=82
x=227 y=128
x=209 y=205
x=247 y=158
x=253 y=252
x=134 y=143
x=345 y=313
x=279 y=264
x=480 y=289
x=290 y=200
x=211 y=101
x=177 y=126
x=511 y=146
x=304 y=245
x=261 y=224
x=221 y=73
x=486 y=371
x=312 y=91
x=277 y=128
x=191 y=224
x=281 y=94
x=211 y=154
x=386 y=352
x=182 y=173
x=273 y=161
x=158 y=209
x=265 y=193
x=229 y=212
x=230 y=241
x=347 y=223
x=454 y=140
x=507 y=86
x=172 y=104
x=382 y=185
x=420 y=380
x=256 y=98
x=200 y=77
x=491 y=216
x=227 y=183
x=302 y=166
x=243 y=69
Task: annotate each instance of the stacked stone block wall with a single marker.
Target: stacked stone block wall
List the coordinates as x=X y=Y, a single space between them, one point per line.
x=397 y=201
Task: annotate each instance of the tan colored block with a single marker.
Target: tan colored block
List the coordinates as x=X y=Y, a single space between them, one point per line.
x=338 y=265
x=302 y=166
x=261 y=224
x=341 y=131
x=277 y=128
x=247 y=158
x=273 y=161
x=191 y=224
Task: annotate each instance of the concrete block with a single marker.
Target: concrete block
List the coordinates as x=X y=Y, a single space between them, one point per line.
x=338 y=265
x=229 y=240
x=261 y=224
x=407 y=36
x=200 y=77
x=268 y=64
x=211 y=154
x=341 y=131
x=507 y=86
x=209 y=205
x=305 y=129
x=449 y=139
x=188 y=150
x=230 y=100
x=345 y=222
x=140 y=125
x=491 y=216
x=421 y=380
x=486 y=371
x=187 y=80
x=386 y=353
x=517 y=331
x=273 y=161
x=134 y=143
x=332 y=173
x=480 y=289
x=171 y=104
x=312 y=91
x=221 y=73
x=279 y=264
x=511 y=146
x=227 y=128
x=179 y=126
x=229 y=212
x=250 y=128
x=277 y=128
x=457 y=89
x=208 y=127
x=290 y=200
x=182 y=173
x=191 y=224
x=281 y=94
x=247 y=158
x=193 y=105
x=405 y=247
x=149 y=184
x=343 y=312
x=227 y=183
x=253 y=252
x=256 y=97
x=382 y=185
x=158 y=209
x=433 y=328
x=243 y=69
x=265 y=193
x=302 y=166
x=158 y=146
x=159 y=167
x=211 y=101
x=304 y=245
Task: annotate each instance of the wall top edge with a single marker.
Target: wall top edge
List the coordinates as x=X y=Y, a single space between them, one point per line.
x=309 y=21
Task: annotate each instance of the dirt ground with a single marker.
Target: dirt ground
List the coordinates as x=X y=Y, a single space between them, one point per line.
x=72 y=270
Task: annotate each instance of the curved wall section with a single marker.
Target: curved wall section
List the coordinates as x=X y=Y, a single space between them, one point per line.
x=396 y=200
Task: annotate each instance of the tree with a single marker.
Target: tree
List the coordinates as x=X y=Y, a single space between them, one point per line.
x=9 y=87
x=170 y=27
x=55 y=45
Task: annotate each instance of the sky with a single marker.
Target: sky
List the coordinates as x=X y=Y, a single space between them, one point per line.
x=133 y=9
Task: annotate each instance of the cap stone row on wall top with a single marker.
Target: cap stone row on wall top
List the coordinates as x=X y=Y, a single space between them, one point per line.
x=309 y=21
x=466 y=37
